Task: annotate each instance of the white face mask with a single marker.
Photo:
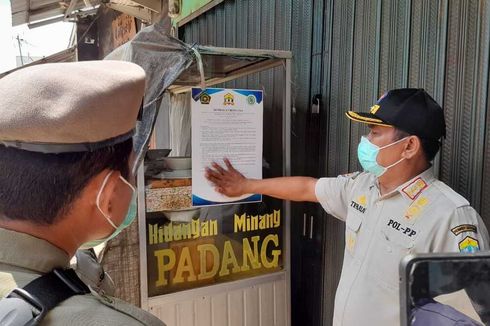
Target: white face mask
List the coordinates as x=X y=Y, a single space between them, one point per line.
x=130 y=216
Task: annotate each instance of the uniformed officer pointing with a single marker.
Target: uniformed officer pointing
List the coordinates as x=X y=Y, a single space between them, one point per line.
x=393 y=208
x=65 y=182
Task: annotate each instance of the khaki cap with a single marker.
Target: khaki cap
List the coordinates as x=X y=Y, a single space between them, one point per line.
x=70 y=107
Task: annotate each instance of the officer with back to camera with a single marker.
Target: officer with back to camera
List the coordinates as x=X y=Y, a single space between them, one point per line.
x=65 y=183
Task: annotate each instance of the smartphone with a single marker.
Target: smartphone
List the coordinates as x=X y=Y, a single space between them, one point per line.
x=445 y=289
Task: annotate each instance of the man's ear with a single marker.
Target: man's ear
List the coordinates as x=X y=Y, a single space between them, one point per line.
x=104 y=185
x=412 y=147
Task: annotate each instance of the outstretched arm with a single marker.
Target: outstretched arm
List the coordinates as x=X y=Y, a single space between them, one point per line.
x=228 y=181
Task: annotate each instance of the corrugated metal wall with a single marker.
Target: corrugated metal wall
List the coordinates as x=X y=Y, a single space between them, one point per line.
x=351 y=52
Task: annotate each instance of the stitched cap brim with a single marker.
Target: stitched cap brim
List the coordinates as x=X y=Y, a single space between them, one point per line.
x=367 y=118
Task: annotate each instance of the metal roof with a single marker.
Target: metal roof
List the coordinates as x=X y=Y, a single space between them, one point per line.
x=68 y=55
x=31 y=11
x=40 y=12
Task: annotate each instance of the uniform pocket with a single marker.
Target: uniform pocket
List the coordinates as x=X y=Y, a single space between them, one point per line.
x=388 y=250
x=354 y=222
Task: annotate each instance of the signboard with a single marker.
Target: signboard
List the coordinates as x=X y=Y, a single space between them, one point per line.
x=123 y=30
x=224 y=243
x=226 y=123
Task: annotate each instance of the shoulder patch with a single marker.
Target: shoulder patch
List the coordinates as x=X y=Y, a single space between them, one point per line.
x=463 y=228
x=469 y=245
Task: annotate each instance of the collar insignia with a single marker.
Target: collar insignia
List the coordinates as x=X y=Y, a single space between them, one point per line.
x=414 y=189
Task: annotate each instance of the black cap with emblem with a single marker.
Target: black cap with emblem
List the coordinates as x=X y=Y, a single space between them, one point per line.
x=412 y=110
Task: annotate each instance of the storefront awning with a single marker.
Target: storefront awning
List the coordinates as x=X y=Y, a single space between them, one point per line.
x=224 y=64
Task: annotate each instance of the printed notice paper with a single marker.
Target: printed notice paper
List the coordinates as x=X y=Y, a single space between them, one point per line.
x=225 y=123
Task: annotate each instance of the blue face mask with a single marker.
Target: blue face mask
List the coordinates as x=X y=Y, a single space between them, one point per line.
x=367 y=153
x=130 y=216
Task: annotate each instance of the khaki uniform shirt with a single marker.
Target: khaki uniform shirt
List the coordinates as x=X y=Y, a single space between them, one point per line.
x=23 y=258
x=421 y=216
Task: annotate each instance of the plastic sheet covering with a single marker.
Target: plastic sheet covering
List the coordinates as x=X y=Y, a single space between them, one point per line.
x=180 y=125
x=163 y=58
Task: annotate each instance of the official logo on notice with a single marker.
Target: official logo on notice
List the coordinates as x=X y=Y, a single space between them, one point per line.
x=229 y=99
x=205 y=98
x=251 y=100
